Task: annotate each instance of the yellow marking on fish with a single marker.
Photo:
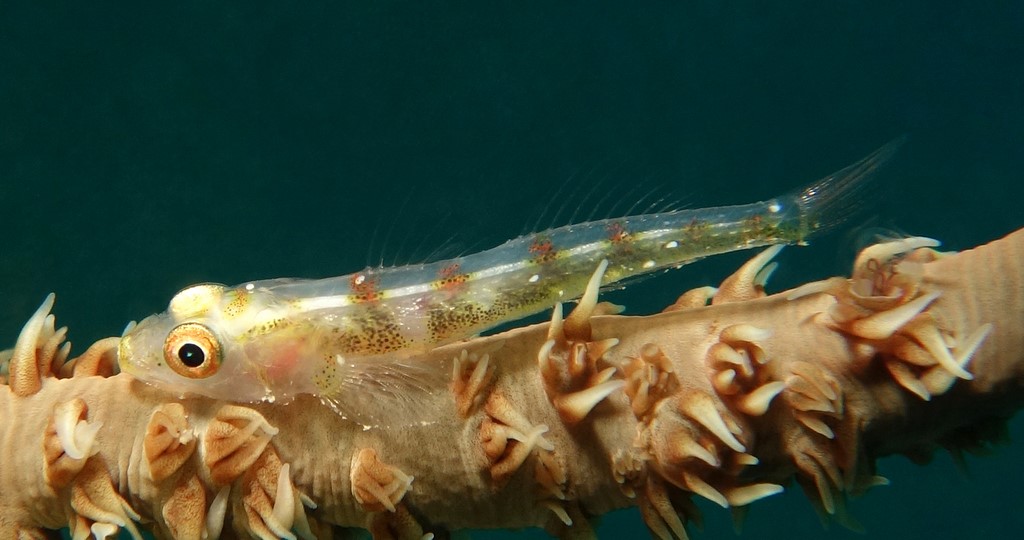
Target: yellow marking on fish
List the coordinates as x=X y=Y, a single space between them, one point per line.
x=196 y=301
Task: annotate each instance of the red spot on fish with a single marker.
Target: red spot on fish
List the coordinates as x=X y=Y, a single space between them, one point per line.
x=543 y=249
x=617 y=232
x=364 y=288
x=450 y=277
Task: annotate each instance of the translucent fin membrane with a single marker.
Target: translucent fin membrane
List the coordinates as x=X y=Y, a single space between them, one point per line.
x=837 y=197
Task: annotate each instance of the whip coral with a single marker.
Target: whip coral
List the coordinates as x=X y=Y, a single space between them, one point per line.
x=729 y=395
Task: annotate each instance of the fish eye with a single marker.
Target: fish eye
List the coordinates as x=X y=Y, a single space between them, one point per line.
x=191 y=355
x=191 y=350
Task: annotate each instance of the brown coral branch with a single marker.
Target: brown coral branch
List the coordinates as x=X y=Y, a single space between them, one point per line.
x=546 y=425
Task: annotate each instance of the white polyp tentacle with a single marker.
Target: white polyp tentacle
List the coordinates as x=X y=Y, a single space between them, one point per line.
x=575 y=406
x=218 y=511
x=101 y=530
x=555 y=330
x=557 y=509
x=283 y=514
x=533 y=438
x=762 y=277
x=814 y=287
x=76 y=436
x=928 y=335
x=24 y=370
x=745 y=333
x=884 y=324
x=966 y=350
x=703 y=410
x=886 y=251
x=756 y=403
x=744 y=495
x=589 y=299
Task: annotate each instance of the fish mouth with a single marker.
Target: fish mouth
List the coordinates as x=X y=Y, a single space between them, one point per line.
x=124 y=353
x=128 y=348
x=129 y=327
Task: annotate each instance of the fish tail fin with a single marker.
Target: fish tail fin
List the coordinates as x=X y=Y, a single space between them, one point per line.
x=835 y=198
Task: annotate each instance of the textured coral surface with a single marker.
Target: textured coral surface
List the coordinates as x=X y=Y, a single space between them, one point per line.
x=730 y=395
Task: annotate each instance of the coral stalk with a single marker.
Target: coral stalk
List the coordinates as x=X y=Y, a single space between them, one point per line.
x=729 y=395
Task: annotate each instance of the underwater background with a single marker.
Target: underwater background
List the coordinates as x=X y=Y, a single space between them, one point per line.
x=143 y=149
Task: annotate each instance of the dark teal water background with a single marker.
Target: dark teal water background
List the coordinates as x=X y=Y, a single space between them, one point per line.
x=145 y=149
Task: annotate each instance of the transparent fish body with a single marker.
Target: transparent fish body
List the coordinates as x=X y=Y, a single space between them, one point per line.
x=359 y=335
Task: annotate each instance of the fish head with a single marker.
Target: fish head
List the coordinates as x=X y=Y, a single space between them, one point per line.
x=189 y=349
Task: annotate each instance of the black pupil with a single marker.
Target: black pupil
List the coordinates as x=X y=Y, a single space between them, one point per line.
x=191 y=355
